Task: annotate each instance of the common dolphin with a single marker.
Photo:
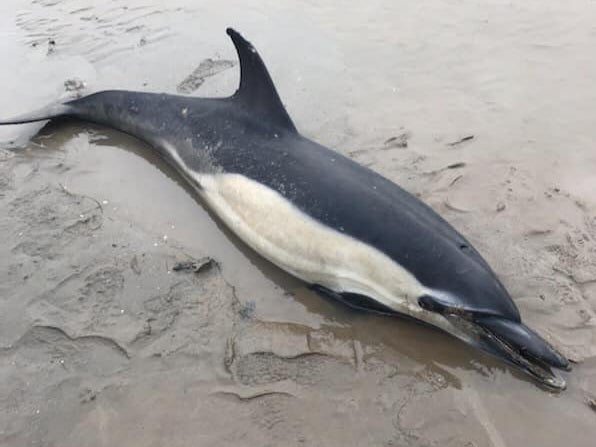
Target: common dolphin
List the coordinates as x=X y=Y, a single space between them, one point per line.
x=342 y=228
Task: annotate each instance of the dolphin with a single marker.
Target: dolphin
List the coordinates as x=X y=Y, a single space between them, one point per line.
x=348 y=232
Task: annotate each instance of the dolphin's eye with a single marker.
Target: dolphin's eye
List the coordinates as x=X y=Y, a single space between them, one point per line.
x=427 y=302
x=464 y=247
x=441 y=303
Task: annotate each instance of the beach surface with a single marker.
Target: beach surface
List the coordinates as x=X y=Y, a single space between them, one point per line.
x=130 y=316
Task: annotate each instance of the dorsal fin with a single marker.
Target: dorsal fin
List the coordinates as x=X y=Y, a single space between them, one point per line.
x=256 y=90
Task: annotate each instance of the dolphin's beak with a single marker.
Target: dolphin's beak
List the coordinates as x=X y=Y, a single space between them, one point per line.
x=506 y=338
x=514 y=343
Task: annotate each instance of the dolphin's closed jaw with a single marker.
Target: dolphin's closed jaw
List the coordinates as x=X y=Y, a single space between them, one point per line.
x=516 y=344
x=523 y=339
x=508 y=340
x=319 y=215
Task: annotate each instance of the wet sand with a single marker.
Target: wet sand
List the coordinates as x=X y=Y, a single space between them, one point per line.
x=103 y=343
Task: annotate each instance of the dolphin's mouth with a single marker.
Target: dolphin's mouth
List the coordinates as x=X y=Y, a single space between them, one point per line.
x=541 y=371
x=516 y=344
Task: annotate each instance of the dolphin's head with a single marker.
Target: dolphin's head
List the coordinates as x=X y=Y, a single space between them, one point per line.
x=503 y=336
x=471 y=303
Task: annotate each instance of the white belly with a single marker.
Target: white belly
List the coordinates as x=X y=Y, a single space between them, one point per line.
x=315 y=253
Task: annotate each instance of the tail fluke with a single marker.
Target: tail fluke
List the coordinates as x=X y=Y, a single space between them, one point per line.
x=46 y=113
